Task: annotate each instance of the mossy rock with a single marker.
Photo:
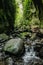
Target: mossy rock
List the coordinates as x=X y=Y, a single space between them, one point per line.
x=3 y=37
x=14 y=46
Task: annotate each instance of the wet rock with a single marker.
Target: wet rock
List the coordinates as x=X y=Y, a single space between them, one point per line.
x=14 y=46
x=39 y=49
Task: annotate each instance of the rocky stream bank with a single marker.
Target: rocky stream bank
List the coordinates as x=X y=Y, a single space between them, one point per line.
x=18 y=51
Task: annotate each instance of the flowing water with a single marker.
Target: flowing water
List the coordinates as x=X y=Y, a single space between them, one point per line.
x=29 y=54
x=28 y=57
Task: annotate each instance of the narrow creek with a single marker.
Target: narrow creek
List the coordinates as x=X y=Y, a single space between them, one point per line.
x=28 y=58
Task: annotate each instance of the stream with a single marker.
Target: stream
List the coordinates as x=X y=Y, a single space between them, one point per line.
x=29 y=57
x=30 y=54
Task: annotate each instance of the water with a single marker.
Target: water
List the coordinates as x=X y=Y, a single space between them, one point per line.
x=29 y=55
x=9 y=61
x=27 y=59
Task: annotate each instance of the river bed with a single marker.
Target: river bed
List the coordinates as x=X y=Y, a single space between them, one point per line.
x=28 y=58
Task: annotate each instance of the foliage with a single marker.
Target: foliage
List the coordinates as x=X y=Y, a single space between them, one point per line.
x=20 y=14
x=7 y=13
x=27 y=7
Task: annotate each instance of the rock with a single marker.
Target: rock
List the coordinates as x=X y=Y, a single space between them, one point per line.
x=3 y=37
x=2 y=62
x=33 y=37
x=35 y=61
x=38 y=63
x=39 y=35
x=14 y=46
x=41 y=30
x=36 y=35
x=35 y=28
x=41 y=40
x=39 y=49
x=41 y=53
x=38 y=46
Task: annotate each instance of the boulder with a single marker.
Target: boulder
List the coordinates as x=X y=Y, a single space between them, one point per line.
x=14 y=46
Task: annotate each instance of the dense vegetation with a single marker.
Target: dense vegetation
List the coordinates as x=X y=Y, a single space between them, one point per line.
x=20 y=14
x=7 y=14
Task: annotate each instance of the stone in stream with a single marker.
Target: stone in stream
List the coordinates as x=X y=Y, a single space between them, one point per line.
x=14 y=46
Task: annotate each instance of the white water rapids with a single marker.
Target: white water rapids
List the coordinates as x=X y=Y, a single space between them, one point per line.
x=29 y=55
